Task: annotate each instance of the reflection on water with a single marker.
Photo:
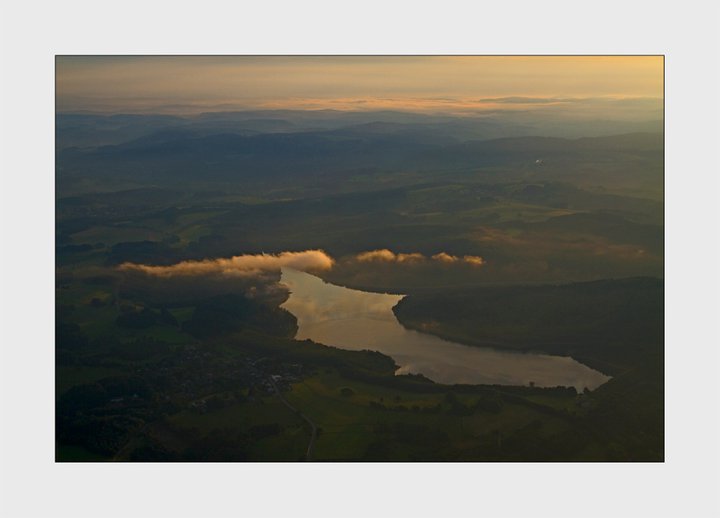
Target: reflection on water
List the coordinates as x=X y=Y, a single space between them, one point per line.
x=356 y=320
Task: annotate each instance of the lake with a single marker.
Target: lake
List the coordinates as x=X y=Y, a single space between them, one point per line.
x=356 y=320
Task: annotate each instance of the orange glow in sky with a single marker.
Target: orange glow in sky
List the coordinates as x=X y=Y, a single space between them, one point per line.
x=187 y=84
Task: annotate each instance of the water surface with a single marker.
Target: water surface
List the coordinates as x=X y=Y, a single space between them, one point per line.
x=357 y=320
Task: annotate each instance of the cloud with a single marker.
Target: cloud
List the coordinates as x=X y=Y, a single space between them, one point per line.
x=308 y=260
x=388 y=256
x=376 y=255
x=239 y=265
x=474 y=260
x=445 y=258
x=385 y=255
x=529 y=100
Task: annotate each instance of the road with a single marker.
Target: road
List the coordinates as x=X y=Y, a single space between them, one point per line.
x=313 y=426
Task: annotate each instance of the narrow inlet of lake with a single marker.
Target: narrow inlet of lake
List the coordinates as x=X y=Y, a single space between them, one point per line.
x=357 y=320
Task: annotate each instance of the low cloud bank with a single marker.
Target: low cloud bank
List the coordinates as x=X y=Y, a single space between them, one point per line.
x=308 y=260
x=385 y=255
x=239 y=265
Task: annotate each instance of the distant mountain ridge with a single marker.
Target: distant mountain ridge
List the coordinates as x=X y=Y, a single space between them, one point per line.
x=92 y=130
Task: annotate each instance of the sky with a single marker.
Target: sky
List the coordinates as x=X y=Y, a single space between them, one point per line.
x=462 y=84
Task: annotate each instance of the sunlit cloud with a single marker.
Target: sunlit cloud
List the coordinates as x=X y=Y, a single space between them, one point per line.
x=239 y=265
x=385 y=255
x=376 y=255
x=308 y=261
x=475 y=260
x=445 y=258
